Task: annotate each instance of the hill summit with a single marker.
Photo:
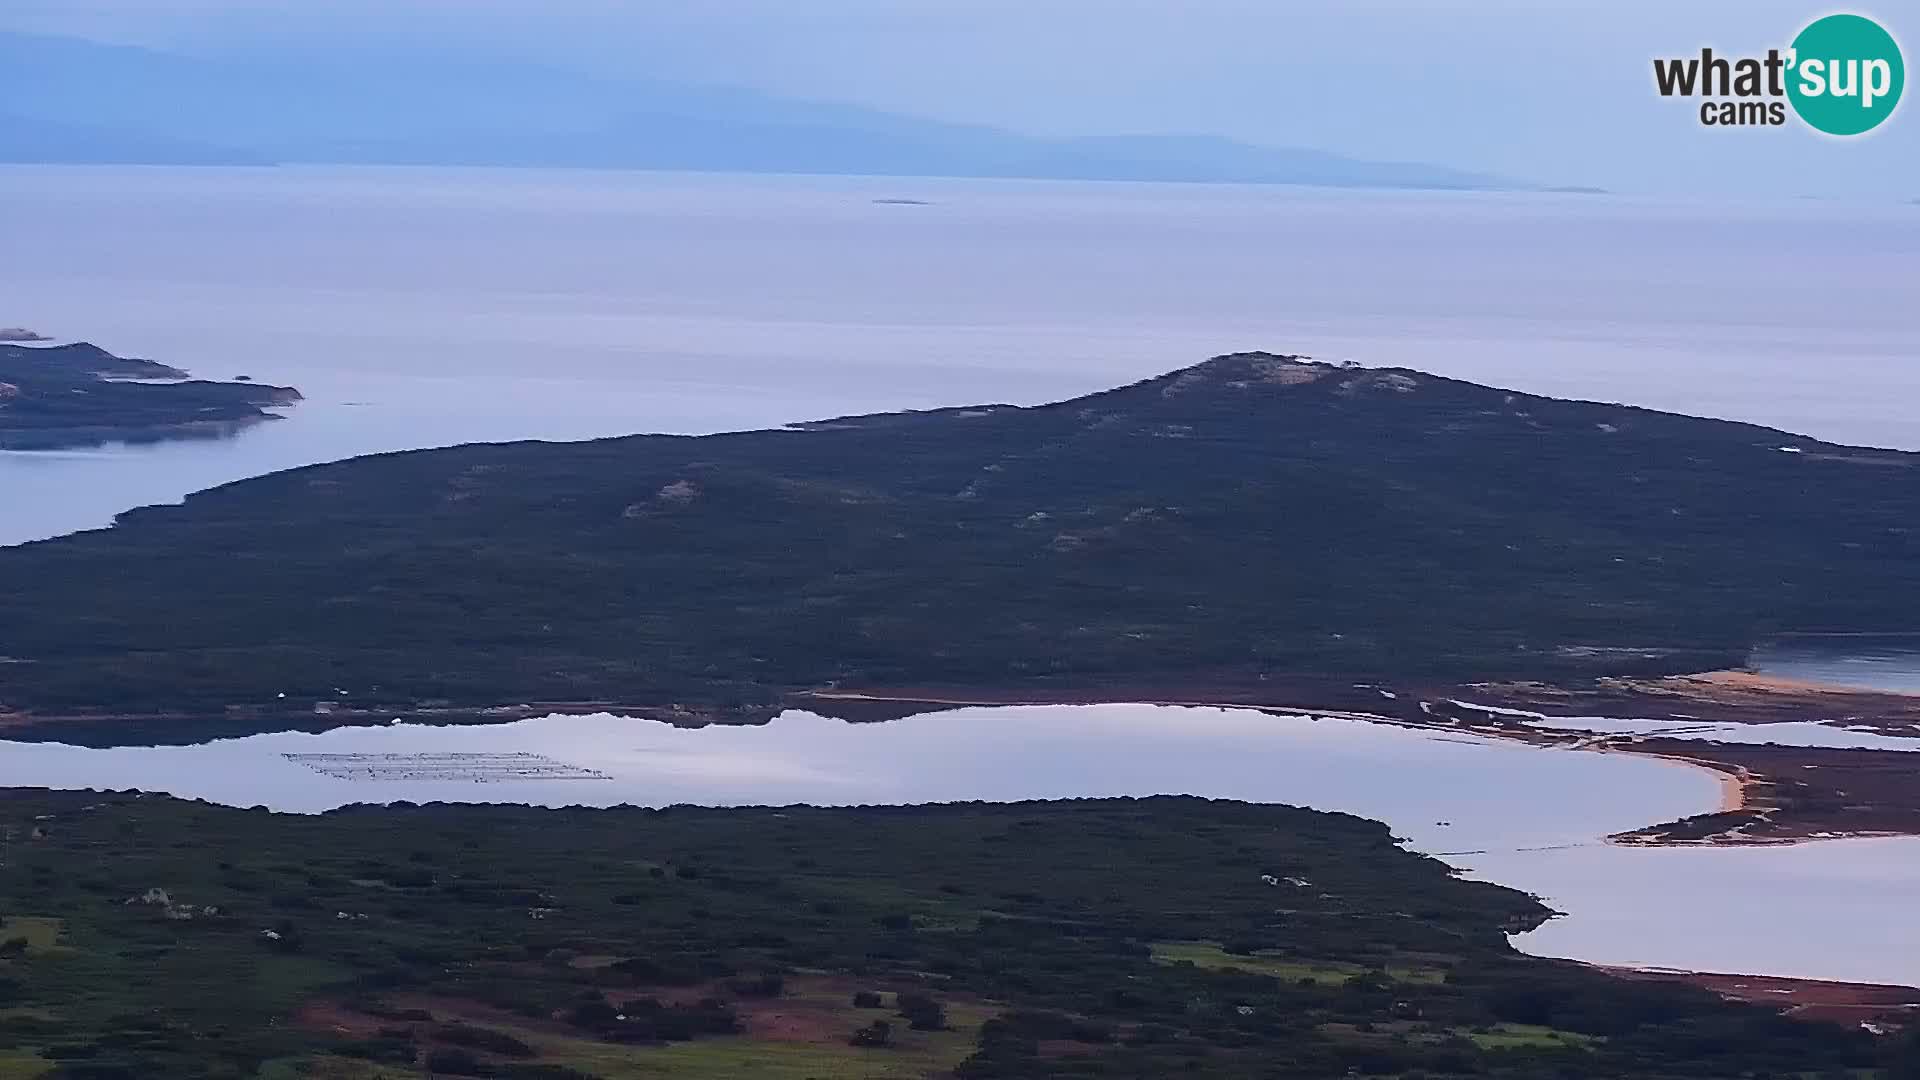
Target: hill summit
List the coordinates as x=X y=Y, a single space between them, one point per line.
x=1252 y=515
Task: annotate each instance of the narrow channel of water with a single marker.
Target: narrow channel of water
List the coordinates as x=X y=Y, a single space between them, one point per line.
x=1530 y=818
x=1810 y=733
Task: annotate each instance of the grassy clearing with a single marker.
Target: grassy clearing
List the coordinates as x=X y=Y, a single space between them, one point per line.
x=20 y=1065
x=729 y=1058
x=333 y=1068
x=41 y=935
x=291 y=978
x=1529 y=1037
x=1210 y=956
x=800 y=1036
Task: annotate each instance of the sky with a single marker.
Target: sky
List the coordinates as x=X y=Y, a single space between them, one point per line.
x=1551 y=91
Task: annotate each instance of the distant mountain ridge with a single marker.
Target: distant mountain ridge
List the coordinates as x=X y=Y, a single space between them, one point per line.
x=64 y=100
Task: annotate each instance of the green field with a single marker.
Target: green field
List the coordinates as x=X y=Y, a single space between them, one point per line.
x=1529 y=1036
x=1210 y=955
x=40 y=935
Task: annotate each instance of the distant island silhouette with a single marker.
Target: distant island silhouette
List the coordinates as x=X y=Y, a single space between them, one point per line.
x=105 y=104
x=65 y=396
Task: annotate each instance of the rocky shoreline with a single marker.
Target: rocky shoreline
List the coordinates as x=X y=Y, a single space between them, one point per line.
x=1875 y=1006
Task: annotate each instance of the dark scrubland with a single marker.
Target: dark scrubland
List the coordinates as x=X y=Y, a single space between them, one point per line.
x=148 y=937
x=1250 y=518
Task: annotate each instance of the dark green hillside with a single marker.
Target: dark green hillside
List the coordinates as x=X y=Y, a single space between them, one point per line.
x=79 y=395
x=76 y=362
x=145 y=938
x=1253 y=514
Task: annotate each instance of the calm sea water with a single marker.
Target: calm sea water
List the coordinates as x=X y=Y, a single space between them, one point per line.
x=1867 y=661
x=1525 y=817
x=430 y=307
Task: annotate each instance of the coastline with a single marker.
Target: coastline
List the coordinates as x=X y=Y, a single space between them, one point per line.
x=1736 y=785
x=1757 y=807
x=1755 y=681
x=1769 y=794
x=1752 y=682
x=1870 y=1005
x=1737 y=791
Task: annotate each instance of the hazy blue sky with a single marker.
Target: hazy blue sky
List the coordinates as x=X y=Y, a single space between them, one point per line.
x=1558 y=92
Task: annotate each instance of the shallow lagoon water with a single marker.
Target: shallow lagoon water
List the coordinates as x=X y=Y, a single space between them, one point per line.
x=1791 y=733
x=1530 y=818
x=1799 y=733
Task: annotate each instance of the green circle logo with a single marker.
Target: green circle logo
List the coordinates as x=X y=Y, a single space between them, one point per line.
x=1845 y=74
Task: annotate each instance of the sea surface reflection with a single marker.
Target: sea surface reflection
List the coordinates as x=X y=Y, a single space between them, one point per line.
x=1526 y=817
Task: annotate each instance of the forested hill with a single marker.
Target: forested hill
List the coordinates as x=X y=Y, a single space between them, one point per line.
x=1252 y=514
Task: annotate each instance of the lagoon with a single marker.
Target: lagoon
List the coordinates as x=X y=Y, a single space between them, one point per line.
x=1526 y=817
